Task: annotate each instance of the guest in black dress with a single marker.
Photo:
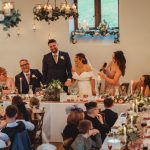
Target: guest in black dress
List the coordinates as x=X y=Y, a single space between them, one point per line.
x=22 y=110
x=110 y=116
x=93 y=115
x=71 y=131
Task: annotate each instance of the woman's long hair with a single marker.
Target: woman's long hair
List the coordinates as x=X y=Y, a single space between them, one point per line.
x=82 y=57
x=121 y=61
x=17 y=101
x=146 y=80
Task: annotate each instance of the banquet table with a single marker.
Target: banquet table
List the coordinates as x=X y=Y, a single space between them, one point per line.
x=55 y=117
x=115 y=142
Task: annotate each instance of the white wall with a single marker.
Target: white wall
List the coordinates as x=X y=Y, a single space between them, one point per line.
x=134 y=31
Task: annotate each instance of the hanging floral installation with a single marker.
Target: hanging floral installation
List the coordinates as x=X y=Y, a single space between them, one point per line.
x=9 y=17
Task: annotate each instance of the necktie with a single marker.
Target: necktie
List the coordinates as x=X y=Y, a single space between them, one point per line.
x=28 y=77
x=55 y=58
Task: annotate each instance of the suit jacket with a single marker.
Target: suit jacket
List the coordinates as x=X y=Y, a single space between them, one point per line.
x=110 y=117
x=57 y=71
x=35 y=79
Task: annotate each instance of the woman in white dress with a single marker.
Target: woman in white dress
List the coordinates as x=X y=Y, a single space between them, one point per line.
x=83 y=75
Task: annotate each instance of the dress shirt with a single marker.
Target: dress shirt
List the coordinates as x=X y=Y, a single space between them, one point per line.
x=28 y=126
x=54 y=55
x=25 y=74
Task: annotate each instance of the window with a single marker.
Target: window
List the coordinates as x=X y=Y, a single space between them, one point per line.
x=92 y=12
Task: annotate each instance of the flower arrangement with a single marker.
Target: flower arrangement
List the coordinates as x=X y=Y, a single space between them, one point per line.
x=10 y=21
x=102 y=30
x=3 y=87
x=52 y=92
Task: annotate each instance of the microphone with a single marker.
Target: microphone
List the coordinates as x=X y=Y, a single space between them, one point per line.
x=103 y=67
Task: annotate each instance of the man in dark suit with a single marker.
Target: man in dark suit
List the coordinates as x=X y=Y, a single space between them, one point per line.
x=110 y=116
x=57 y=65
x=28 y=77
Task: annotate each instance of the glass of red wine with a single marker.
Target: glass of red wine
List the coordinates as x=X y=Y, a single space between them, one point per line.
x=109 y=146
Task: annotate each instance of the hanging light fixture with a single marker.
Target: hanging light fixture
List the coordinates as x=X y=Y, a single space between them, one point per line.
x=48 y=13
x=9 y=17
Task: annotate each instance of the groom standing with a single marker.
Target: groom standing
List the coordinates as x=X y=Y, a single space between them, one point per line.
x=57 y=65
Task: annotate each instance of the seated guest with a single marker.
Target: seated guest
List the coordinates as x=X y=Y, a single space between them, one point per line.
x=93 y=115
x=13 y=127
x=28 y=77
x=84 y=141
x=144 y=84
x=22 y=111
x=71 y=129
x=6 y=81
x=110 y=116
x=34 y=103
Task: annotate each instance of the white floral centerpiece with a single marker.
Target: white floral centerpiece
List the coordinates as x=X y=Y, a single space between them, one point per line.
x=52 y=92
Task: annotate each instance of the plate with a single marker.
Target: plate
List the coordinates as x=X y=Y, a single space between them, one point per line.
x=113 y=141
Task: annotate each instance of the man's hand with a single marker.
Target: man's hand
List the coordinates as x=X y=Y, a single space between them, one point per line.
x=68 y=83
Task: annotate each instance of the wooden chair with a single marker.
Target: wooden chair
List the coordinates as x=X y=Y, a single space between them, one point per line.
x=8 y=144
x=36 y=134
x=123 y=89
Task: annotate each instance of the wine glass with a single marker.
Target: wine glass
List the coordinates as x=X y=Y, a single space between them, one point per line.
x=143 y=125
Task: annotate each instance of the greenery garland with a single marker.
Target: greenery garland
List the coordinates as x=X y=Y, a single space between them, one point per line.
x=10 y=21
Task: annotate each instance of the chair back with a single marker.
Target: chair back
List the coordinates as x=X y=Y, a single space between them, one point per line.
x=123 y=89
x=8 y=144
x=36 y=134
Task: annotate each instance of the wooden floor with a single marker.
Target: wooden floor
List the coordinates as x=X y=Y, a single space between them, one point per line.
x=58 y=145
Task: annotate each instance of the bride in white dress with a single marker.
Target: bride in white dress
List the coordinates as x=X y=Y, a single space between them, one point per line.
x=83 y=76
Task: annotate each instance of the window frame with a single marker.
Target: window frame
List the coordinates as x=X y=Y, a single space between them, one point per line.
x=97 y=6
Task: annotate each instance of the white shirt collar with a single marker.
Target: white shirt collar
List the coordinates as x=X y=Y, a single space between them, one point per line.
x=55 y=53
x=12 y=124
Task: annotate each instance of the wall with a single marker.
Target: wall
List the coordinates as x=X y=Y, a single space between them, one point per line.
x=134 y=30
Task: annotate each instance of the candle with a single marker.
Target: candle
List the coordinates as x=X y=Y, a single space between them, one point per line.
x=125 y=133
x=131 y=121
x=136 y=102
x=74 y=7
x=67 y=9
x=7 y=8
x=133 y=105
x=20 y=85
x=141 y=90
x=131 y=86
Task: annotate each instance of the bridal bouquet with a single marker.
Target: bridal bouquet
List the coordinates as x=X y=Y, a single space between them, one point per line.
x=52 y=92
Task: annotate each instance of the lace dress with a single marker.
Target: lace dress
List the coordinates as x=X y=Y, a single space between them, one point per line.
x=110 y=88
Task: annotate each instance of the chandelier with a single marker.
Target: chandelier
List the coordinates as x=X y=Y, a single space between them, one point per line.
x=9 y=17
x=48 y=13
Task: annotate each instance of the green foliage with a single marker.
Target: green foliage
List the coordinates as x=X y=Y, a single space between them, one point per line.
x=52 y=92
x=11 y=21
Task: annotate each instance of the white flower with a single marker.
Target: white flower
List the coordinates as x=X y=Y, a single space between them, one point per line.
x=33 y=76
x=59 y=87
x=62 y=57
